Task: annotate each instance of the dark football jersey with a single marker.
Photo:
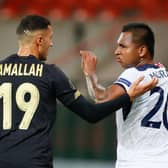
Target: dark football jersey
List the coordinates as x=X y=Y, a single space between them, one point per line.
x=28 y=92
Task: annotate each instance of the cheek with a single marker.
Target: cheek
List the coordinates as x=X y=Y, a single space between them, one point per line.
x=132 y=53
x=134 y=59
x=45 y=46
x=44 y=49
x=46 y=43
x=129 y=58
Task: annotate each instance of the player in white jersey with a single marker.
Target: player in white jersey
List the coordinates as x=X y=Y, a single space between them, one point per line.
x=142 y=126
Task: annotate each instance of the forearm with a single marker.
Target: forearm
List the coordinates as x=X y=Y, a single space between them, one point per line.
x=95 y=112
x=96 y=91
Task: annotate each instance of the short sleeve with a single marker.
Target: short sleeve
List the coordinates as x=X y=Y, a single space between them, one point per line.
x=127 y=78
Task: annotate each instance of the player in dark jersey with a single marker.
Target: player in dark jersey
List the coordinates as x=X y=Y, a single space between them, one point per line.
x=28 y=92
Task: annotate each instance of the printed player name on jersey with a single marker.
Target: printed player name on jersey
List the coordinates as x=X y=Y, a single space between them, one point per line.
x=159 y=74
x=21 y=70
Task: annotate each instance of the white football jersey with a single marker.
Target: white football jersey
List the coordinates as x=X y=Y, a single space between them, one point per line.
x=142 y=127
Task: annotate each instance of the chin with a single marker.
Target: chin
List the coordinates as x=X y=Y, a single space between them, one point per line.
x=122 y=65
x=125 y=66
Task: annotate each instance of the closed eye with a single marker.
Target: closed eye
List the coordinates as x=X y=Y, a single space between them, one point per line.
x=122 y=46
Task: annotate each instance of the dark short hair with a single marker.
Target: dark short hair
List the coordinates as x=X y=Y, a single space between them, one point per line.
x=32 y=23
x=142 y=34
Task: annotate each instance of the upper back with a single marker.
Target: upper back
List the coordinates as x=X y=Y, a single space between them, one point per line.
x=28 y=92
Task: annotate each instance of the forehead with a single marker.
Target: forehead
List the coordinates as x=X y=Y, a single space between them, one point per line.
x=125 y=38
x=49 y=30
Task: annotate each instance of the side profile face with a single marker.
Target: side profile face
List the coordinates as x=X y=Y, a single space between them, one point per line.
x=45 y=42
x=127 y=52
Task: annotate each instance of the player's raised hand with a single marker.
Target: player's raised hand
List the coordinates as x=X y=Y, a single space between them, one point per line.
x=89 y=62
x=137 y=89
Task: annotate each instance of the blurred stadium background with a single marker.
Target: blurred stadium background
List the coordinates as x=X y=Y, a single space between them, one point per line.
x=92 y=25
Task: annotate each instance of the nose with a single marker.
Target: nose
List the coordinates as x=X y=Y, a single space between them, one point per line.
x=51 y=44
x=117 y=51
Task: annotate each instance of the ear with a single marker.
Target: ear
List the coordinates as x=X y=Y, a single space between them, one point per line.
x=142 y=51
x=39 y=40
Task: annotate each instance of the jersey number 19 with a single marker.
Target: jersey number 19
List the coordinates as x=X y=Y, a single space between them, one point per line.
x=28 y=107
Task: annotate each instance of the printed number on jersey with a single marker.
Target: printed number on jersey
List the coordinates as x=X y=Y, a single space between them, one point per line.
x=28 y=107
x=147 y=120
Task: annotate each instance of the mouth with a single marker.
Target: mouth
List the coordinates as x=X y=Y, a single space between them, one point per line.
x=118 y=60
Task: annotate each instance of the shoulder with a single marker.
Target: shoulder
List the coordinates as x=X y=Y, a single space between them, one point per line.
x=140 y=70
x=130 y=73
x=128 y=76
x=53 y=69
x=8 y=58
x=54 y=73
